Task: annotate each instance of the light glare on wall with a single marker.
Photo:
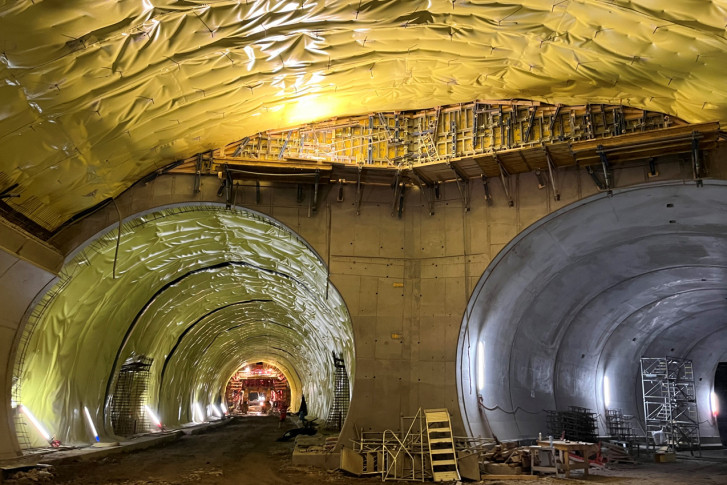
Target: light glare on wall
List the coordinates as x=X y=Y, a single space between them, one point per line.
x=715 y=404
x=35 y=422
x=606 y=392
x=154 y=418
x=197 y=413
x=480 y=365
x=215 y=410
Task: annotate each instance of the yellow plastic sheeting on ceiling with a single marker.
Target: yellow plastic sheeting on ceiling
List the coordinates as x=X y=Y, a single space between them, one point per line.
x=199 y=289
x=98 y=94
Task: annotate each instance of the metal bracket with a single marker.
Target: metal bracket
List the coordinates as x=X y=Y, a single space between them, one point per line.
x=229 y=188
x=488 y=195
x=552 y=174
x=401 y=199
x=399 y=189
x=315 y=191
x=453 y=131
x=475 y=127
x=339 y=197
x=618 y=121
x=551 y=125
x=594 y=177
x=429 y=190
x=605 y=167
x=395 y=188
x=463 y=184
x=197 y=174
x=589 y=122
x=430 y=193
x=696 y=162
x=358 y=191
x=505 y=179
x=531 y=121
x=244 y=142
x=285 y=145
x=653 y=172
x=370 y=150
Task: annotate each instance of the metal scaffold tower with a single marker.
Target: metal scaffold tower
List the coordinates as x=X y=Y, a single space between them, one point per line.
x=341 y=396
x=127 y=403
x=670 y=404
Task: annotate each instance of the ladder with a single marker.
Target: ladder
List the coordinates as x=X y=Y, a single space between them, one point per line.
x=442 y=454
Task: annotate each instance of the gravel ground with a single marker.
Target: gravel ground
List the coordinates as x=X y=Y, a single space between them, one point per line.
x=245 y=452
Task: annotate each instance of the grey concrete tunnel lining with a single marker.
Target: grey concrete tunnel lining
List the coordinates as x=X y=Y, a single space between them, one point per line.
x=582 y=269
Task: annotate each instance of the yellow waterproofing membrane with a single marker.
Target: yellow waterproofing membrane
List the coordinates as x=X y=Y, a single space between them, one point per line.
x=97 y=94
x=199 y=289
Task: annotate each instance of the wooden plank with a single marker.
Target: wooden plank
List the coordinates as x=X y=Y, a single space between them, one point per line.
x=664 y=134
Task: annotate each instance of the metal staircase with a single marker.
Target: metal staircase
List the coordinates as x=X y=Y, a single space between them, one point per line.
x=341 y=397
x=442 y=454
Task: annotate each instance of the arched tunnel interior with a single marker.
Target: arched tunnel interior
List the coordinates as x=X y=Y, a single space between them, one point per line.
x=494 y=209
x=188 y=295
x=566 y=311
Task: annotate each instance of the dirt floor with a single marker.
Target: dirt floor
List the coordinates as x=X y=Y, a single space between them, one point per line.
x=245 y=452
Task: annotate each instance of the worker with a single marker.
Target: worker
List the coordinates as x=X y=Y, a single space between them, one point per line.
x=283 y=407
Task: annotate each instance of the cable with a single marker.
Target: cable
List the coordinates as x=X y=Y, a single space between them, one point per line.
x=498 y=408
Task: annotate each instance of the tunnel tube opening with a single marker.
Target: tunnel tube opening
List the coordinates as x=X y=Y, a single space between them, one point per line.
x=258 y=389
x=718 y=404
x=196 y=290
x=563 y=314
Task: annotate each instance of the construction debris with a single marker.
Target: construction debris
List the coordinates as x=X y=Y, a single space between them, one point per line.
x=27 y=474
x=615 y=453
x=406 y=455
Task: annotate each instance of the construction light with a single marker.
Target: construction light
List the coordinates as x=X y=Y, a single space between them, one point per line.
x=154 y=418
x=200 y=413
x=480 y=365
x=224 y=408
x=715 y=404
x=216 y=410
x=90 y=424
x=35 y=422
x=606 y=392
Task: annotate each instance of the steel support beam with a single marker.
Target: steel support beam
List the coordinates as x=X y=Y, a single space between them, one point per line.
x=605 y=167
x=505 y=179
x=696 y=159
x=358 y=191
x=552 y=174
x=463 y=185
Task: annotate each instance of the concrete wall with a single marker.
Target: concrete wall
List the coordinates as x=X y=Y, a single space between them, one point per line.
x=406 y=281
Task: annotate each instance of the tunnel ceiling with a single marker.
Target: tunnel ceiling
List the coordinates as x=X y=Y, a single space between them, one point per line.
x=96 y=95
x=199 y=289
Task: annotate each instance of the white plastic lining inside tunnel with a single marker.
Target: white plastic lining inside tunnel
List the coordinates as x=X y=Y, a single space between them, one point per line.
x=200 y=290
x=585 y=293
